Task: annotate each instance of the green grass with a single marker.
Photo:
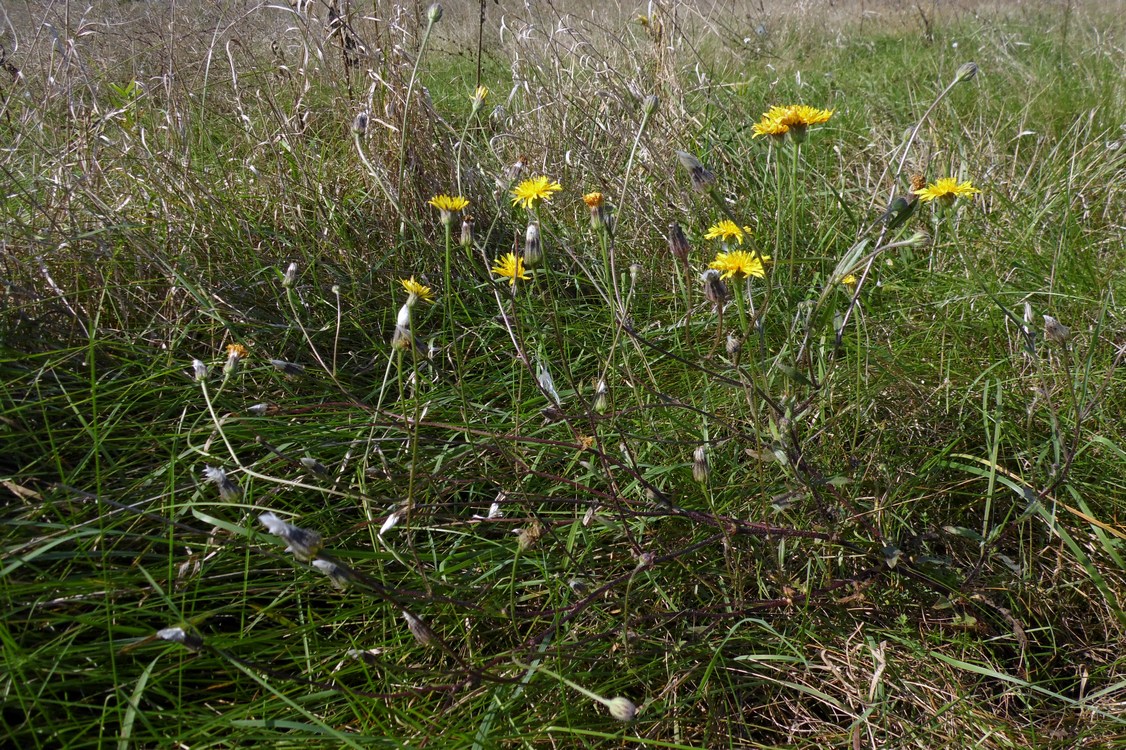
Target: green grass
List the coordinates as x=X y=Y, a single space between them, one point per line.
x=907 y=534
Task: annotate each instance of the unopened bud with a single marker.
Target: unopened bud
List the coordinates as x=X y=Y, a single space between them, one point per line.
x=360 y=124
x=714 y=289
x=966 y=72
x=199 y=370
x=734 y=345
x=601 y=398
x=533 y=248
x=700 y=468
x=467 y=232
x=622 y=709
x=649 y=106
x=290 y=277
x=702 y=178
x=1055 y=331
x=434 y=13
x=678 y=243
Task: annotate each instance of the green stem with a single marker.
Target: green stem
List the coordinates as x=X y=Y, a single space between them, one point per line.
x=793 y=210
x=744 y=325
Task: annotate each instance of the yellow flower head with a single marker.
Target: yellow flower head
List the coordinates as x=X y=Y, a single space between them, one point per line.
x=593 y=200
x=946 y=190
x=801 y=116
x=794 y=119
x=739 y=262
x=416 y=290
x=237 y=350
x=511 y=267
x=529 y=193
x=478 y=97
x=727 y=230
x=447 y=205
x=771 y=126
x=849 y=280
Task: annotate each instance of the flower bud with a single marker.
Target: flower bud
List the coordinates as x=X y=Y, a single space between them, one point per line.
x=714 y=289
x=533 y=248
x=467 y=232
x=419 y=629
x=303 y=543
x=678 y=243
x=634 y=273
x=199 y=370
x=228 y=489
x=289 y=368
x=402 y=338
x=290 y=277
x=966 y=72
x=601 y=398
x=434 y=13
x=360 y=124
x=188 y=638
x=338 y=575
x=700 y=468
x=649 y=106
x=313 y=465
x=734 y=345
x=1055 y=331
x=622 y=709
x=702 y=178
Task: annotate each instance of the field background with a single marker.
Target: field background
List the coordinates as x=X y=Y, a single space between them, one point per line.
x=908 y=531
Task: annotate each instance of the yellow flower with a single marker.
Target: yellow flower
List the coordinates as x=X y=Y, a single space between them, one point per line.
x=510 y=267
x=478 y=97
x=237 y=350
x=447 y=205
x=771 y=126
x=416 y=290
x=599 y=212
x=849 y=280
x=799 y=115
x=529 y=193
x=794 y=119
x=946 y=190
x=726 y=230
x=739 y=262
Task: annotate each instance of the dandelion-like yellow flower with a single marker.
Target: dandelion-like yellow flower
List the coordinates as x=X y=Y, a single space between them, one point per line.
x=448 y=205
x=478 y=97
x=799 y=115
x=794 y=119
x=739 y=262
x=849 y=280
x=771 y=126
x=727 y=230
x=593 y=200
x=511 y=267
x=530 y=193
x=946 y=190
x=237 y=350
x=417 y=290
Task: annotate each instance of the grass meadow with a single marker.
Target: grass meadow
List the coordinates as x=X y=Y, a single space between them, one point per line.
x=765 y=390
